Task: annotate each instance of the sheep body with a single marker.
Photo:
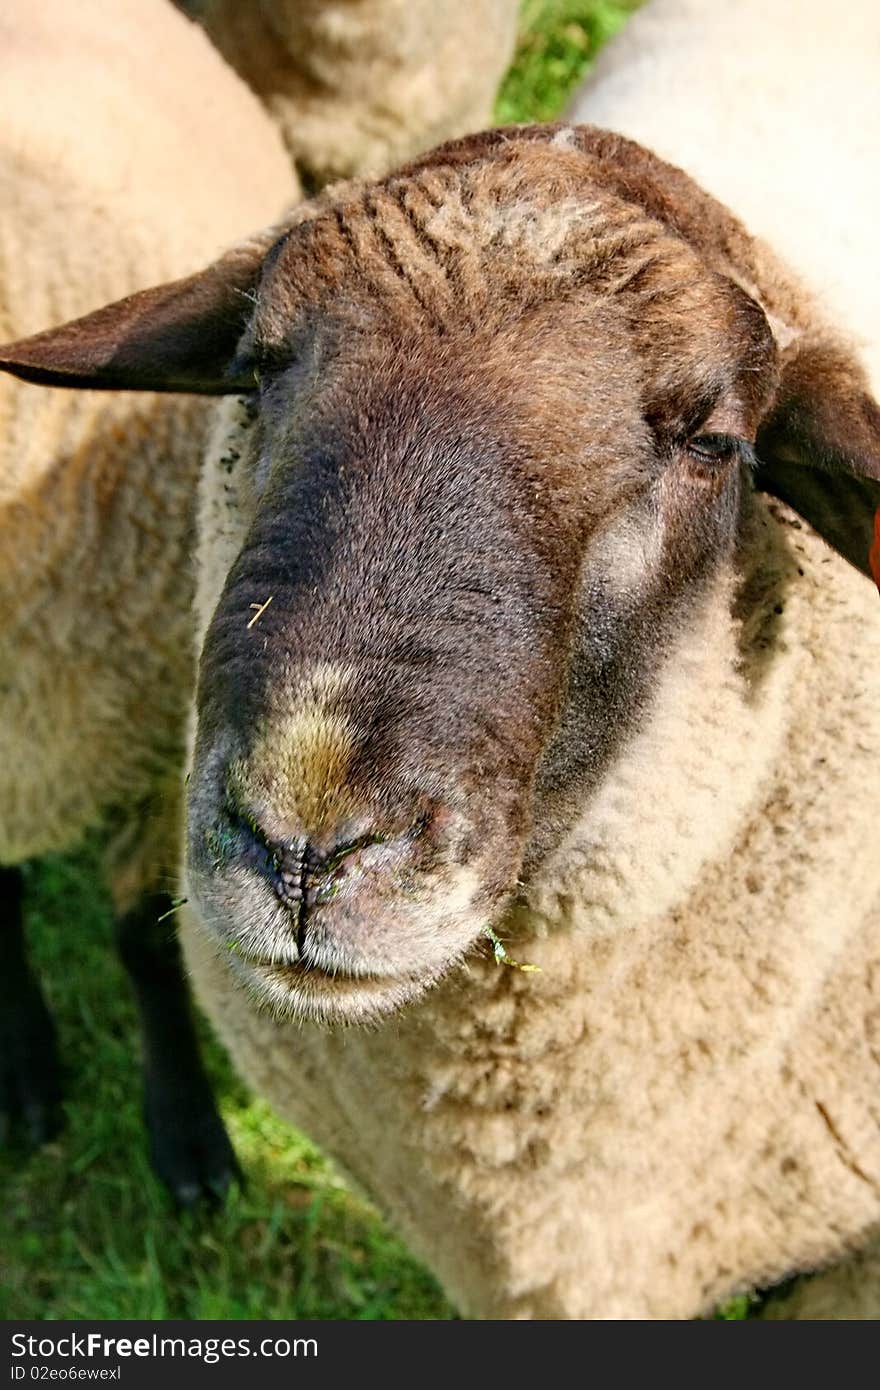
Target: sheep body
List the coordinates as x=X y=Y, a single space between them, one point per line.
x=690 y=1108
x=97 y=492
x=97 y=513
x=682 y=1104
x=360 y=85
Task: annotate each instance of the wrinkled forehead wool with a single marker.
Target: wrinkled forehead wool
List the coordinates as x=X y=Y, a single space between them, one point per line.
x=513 y=213
x=451 y=242
x=459 y=250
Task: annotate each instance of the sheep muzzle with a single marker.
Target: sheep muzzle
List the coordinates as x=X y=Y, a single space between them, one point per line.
x=368 y=740
x=334 y=901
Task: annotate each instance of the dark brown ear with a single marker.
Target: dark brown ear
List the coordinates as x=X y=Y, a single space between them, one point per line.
x=819 y=448
x=177 y=337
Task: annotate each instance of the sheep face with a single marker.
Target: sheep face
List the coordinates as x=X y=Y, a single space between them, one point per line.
x=449 y=528
x=500 y=410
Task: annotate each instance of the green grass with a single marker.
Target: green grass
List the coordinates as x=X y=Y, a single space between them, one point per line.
x=558 y=41
x=85 y=1229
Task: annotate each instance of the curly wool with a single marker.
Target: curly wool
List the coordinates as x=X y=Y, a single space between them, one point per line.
x=682 y=1104
x=357 y=86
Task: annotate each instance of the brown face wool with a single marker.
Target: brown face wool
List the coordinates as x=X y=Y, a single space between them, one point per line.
x=539 y=654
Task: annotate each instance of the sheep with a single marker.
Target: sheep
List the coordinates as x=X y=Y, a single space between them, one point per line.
x=503 y=625
x=359 y=85
x=97 y=509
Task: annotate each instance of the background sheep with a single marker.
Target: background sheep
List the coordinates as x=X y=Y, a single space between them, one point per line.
x=558 y=665
x=97 y=502
x=359 y=85
x=757 y=76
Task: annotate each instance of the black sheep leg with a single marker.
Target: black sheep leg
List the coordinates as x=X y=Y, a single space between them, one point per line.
x=189 y=1147
x=30 y=1076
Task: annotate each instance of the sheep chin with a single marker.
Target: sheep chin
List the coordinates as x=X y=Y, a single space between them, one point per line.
x=293 y=994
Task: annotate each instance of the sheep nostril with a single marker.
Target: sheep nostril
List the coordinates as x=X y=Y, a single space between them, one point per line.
x=282 y=862
x=323 y=883
x=243 y=841
x=301 y=874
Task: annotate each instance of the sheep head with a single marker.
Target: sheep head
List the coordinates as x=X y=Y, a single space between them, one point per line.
x=500 y=412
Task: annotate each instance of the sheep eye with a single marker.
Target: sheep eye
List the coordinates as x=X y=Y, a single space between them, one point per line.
x=721 y=448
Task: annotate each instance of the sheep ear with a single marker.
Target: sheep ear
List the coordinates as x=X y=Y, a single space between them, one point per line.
x=819 y=448
x=177 y=337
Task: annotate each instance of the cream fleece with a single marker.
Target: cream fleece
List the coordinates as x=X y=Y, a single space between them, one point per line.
x=129 y=154
x=683 y=1103
x=358 y=86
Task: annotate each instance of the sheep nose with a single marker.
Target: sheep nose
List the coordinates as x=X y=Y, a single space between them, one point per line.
x=296 y=868
x=307 y=873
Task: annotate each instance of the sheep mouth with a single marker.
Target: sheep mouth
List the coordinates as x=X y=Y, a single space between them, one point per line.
x=371 y=944
x=347 y=942
x=310 y=993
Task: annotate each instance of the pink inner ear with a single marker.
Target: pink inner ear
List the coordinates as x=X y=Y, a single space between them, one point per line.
x=874 y=557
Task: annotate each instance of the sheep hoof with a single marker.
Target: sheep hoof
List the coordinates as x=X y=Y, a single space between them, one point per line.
x=190 y=1149
x=30 y=1075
